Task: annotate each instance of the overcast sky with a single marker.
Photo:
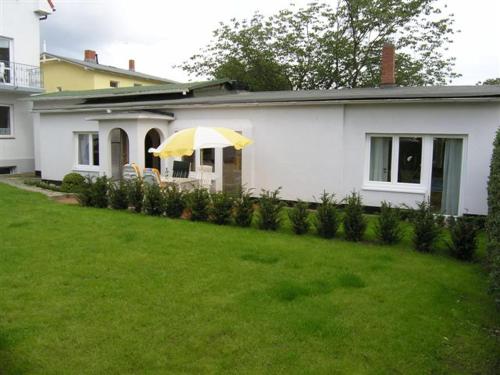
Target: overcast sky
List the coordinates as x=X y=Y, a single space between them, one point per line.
x=161 y=33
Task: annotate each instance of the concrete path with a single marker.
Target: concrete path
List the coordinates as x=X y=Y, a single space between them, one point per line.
x=18 y=181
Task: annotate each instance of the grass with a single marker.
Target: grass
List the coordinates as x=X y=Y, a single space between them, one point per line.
x=96 y=291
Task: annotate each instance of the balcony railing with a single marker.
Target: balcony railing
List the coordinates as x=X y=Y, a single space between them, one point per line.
x=20 y=75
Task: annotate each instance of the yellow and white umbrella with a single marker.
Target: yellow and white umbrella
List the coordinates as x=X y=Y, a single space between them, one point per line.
x=184 y=142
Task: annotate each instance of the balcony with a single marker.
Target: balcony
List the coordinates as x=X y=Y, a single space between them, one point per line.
x=20 y=77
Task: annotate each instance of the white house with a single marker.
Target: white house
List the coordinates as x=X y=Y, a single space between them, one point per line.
x=19 y=77
x=389 y=143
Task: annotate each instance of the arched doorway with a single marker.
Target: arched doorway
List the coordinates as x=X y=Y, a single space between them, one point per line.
x=152 y=139
x=119 y=152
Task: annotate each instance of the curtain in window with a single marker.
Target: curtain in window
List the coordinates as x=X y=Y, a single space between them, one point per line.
x=83 y=149
x=452 y=166
x=380 y=159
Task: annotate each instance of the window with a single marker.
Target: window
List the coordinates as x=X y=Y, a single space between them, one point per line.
x=192 y=161
x=113 y=83
x=88 y=149
x=5 y=120
x=410 y=160
x=405 y=160
x=380 y=158
x=5 y=55
x=208 y=157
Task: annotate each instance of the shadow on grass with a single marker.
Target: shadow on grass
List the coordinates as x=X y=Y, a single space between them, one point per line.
x=288 y=291
x=10 y=363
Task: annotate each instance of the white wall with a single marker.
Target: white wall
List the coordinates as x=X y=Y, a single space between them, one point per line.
x=303 y=149
x=19 y=22
x=17 y=150
x=306 y=149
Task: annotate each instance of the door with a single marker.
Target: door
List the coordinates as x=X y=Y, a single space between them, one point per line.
x=231 y=170
x=446 y=175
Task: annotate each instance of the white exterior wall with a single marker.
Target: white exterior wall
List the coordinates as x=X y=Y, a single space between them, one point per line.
x=19 y=23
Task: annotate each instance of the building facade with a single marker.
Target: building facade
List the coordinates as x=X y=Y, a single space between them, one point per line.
x=20 y=77
x=64 y=73
x=401 y=145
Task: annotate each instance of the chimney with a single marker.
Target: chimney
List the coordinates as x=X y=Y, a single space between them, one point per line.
x=388 y=78
x=131 y=65
x=90 y=56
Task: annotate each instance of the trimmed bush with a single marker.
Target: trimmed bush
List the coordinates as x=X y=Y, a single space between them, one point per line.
x=463 y=232
x=221 y=208
x=84 y=196
x=493 y=221
x=326 y=219
x=118 y=195
x=298 y=216
x=199 y=203
x=243 y=209
x=136 y=194
x=354 y=221
x=99 y=191
x=154 y=200
x=388 y=225
x=72 y=183
x=270 y=206
x=175 y=202
x=426 y=228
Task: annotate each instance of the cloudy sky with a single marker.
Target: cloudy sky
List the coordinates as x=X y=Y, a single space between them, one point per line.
x=161 y=33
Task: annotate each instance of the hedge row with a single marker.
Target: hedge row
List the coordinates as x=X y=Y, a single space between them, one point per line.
x=221 y=208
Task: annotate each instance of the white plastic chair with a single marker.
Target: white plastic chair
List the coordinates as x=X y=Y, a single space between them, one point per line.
x=2 y=71
x=206 y=176
x=130 y=171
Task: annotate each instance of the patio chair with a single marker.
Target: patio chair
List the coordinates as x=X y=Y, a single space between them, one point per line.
x=2 y=71
x=151 y=176
x=131 y=171
x=181 y=169
x=206 y=176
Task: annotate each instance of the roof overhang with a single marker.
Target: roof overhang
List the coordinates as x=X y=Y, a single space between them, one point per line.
x=130 y=116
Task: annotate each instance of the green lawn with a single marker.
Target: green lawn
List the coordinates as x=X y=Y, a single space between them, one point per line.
x=95 y=291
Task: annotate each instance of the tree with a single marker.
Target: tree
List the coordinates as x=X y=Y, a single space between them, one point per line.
x=490 y=81
x=323 y=46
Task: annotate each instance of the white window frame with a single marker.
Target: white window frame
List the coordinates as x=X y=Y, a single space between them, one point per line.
x=424 y=187
x=11 y=121
x=84 y=167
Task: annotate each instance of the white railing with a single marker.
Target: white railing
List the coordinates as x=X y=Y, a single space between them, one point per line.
x=20 y=75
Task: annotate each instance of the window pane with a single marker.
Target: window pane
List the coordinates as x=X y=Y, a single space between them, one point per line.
x=208 y=157
x=380 y=158
x=4 y=120
x=191 y=159
x=410 y=159
x=83 y=149
x=95 y=148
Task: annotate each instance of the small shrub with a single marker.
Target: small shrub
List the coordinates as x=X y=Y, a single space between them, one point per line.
x=154 y=202
x=327 y=219
x=175 y=202
x=136 y=194
x=84 y=196
x=463 y=244
x=270 y=206
x=354 y=221
x=221 y=209
x=99 y=191
x=298 y=216
x=426 y=228
x=243 y=209
x=388 y=226
x=199 y=201
x=72 y=182
x=118 y=195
